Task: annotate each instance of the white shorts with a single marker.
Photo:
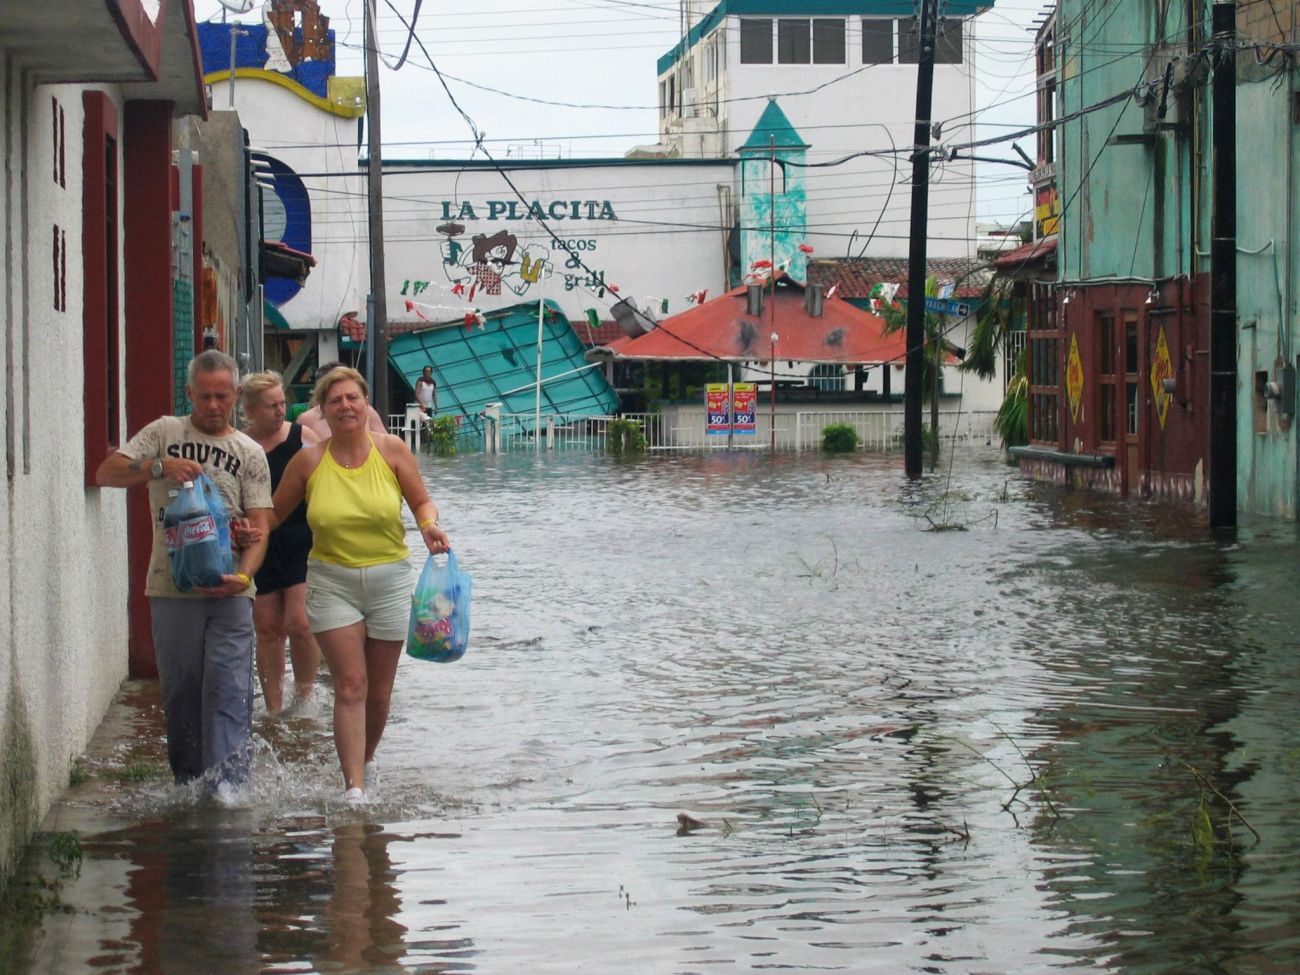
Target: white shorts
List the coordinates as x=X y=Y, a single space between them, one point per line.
x=379 y=595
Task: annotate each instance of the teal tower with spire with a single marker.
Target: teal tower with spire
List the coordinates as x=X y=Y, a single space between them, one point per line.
x=773 y=200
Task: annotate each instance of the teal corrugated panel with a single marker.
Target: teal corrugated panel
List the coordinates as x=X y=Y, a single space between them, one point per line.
x=497 y=364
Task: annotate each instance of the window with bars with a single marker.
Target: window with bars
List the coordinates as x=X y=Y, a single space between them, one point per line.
x=878 y=41
x=826 y=377
x=756 y=40
x=828 y=41
x=793 y=42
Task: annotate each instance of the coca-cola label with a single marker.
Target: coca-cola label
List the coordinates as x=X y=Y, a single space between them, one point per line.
x=173 y=538
x=197 y=530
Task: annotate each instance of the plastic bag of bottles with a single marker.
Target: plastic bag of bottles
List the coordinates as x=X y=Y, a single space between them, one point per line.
x=439 y=629
x=196 y=527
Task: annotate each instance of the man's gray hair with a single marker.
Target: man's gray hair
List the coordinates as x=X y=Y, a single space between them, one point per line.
x=213 y=360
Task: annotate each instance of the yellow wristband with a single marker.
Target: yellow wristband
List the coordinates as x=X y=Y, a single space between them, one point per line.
x=245 y=578
x=427 y=522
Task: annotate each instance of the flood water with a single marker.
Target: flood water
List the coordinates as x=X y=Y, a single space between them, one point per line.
x=965 y=725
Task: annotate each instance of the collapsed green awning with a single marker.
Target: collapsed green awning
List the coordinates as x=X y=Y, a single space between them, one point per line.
x=497 y=362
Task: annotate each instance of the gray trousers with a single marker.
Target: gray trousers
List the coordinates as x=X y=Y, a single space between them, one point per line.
x=204 y=649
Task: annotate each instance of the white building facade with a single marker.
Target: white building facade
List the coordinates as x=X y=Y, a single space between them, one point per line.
x=844 y=73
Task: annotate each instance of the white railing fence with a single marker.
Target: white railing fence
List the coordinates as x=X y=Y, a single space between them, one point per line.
x=877 y=431
x=884 y=431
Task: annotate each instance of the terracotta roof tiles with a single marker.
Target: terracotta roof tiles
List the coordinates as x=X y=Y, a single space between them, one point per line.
x=856 y=276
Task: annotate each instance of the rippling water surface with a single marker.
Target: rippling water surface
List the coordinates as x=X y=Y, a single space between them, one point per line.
x=966 y=725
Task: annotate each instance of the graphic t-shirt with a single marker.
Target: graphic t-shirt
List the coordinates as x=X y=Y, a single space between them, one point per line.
x=235 y=462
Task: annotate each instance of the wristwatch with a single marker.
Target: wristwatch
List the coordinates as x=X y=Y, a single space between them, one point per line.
x=155 y=469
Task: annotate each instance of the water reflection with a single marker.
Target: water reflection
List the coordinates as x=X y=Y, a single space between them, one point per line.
x=194 y=891
x=966 y=724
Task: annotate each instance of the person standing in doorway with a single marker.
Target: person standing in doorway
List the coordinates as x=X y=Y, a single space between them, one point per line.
x=203 y=640
x=426 y=391
x=280 y=609
x=358 y=575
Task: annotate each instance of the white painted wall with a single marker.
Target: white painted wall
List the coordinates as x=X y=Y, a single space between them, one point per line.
x=649 y=228
x=310 y=140
x=63 y=586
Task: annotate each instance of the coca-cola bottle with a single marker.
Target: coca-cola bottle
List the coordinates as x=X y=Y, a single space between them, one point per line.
x=195 y=549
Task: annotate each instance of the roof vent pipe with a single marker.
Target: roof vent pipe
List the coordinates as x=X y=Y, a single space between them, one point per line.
x=754 y=300
x=812 y=300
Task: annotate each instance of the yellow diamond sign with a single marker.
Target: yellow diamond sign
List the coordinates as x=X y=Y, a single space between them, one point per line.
x=1162 y=368
x=1074 y=378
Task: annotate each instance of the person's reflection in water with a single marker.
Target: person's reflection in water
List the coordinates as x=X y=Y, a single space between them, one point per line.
x=362 y=933
x=206 y=922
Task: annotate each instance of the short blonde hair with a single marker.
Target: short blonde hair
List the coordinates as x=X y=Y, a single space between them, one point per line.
x=337 y=375
x=257 y=383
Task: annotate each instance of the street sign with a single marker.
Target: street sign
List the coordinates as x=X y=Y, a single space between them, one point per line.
x=946 y=306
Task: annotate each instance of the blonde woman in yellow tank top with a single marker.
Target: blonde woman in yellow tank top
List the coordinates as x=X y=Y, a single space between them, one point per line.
x=358 y=576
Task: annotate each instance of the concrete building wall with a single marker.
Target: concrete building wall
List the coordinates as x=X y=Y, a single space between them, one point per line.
x=62 y=585
x=1125 y=182
x=1266 y=293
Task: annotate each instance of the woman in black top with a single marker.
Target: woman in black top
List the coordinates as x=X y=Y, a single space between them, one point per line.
x=280 y=609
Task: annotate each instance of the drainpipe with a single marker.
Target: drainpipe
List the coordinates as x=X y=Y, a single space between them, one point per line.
x=1223 y=274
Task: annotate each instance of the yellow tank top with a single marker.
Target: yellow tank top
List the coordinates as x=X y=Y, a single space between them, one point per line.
x=356 y=515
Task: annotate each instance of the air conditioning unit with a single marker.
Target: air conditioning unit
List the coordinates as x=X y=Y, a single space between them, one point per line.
x=690 y=102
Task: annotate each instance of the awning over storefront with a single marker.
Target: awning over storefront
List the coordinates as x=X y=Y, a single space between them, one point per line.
x=1029 y=260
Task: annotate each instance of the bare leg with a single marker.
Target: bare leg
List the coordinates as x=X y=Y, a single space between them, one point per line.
x=303 y=648
x=382 y=657
x=344 y=650
x=268 y=622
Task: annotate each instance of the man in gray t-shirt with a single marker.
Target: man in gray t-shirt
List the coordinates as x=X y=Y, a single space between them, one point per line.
x=203 y=639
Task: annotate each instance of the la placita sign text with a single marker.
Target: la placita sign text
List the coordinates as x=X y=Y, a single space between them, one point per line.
x=537 y=210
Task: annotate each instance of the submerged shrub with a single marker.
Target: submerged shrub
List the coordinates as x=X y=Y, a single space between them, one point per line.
x=442 y=436
x=624 y=437
x=839 y=438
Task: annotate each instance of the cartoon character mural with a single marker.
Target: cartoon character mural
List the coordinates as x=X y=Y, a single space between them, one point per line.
x=490 y=262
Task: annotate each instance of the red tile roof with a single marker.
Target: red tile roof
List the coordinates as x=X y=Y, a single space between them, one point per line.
x=856 y=276
x=722 y=329
x=602 y=334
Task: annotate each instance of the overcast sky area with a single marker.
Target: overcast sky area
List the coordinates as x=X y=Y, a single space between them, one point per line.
x=576 y=78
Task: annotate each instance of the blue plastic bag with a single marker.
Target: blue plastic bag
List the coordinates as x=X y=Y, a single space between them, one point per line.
x=439 y=629
x=196 y=528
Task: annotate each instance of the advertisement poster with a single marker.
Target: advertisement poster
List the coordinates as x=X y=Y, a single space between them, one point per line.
x=715 y=403
x=744 y=408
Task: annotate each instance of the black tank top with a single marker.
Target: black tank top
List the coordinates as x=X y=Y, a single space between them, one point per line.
x=278 y=459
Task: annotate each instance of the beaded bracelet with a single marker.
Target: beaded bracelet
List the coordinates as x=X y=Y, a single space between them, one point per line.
x=245 y=578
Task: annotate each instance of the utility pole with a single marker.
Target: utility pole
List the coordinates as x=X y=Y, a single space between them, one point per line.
x=771 y=272
x=378 y=304
x=1223 y=273
x=912 y=446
